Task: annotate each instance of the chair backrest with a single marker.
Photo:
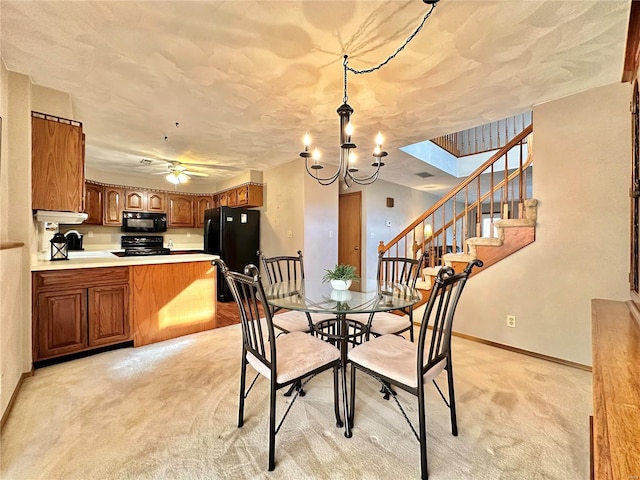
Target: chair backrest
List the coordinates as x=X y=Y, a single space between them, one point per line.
x=438 y=314
x=249 y=295
x=400 y=270
x=283 y=268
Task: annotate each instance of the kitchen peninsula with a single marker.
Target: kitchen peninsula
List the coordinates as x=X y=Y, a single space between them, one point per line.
x=97 y=299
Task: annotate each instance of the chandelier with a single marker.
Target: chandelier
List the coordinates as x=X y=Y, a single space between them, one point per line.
x=346 y=168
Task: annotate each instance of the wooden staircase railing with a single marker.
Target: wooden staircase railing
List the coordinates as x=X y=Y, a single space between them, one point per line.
x=495 y=190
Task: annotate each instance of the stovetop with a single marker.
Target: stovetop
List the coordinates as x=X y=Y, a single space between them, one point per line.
x=141 y=245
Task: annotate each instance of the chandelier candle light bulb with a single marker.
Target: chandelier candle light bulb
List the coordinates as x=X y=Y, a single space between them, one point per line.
x=345 y=159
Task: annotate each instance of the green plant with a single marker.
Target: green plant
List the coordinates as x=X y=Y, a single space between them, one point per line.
x=341 y=272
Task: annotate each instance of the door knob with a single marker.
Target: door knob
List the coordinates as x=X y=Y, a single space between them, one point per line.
x=356 y=248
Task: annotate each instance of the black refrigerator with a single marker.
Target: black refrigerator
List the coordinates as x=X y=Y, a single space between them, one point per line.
x=234 y=235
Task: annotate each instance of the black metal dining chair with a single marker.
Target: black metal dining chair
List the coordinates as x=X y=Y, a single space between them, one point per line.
x=409 y=366
x=285 y=268
x=284 y=360
x=404 y=271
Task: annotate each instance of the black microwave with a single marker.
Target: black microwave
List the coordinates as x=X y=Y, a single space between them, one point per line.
x=144 y=222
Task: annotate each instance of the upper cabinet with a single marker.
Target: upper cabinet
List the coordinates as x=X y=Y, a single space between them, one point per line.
x=113 y=205
x=203 y=202
x=105 y=203
x=180 y=211
x=145 y=201
x=249 y=195
x=57 y=163
x=93 y=203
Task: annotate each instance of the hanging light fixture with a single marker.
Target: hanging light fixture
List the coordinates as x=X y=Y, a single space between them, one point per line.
x=347 y=169
x=176 y=177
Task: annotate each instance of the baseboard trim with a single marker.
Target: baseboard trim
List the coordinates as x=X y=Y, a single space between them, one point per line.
x=541 y=356
x=12 y=400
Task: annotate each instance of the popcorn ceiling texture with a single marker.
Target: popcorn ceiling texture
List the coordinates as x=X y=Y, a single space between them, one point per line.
x=246 y=79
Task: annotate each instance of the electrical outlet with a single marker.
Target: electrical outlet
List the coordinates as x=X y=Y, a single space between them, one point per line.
x=511 y=321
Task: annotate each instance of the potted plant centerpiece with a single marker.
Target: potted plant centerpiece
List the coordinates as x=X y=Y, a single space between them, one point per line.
x=341 y=276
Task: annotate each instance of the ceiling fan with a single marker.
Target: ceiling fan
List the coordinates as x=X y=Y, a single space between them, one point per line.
x=179 y=172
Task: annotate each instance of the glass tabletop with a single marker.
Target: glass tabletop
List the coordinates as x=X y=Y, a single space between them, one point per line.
x=313 y=296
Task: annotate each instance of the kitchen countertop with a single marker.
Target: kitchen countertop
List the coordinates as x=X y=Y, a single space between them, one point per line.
x=104 y=258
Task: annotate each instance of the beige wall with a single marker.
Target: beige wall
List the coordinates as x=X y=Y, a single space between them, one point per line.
x=408 y=205
x=582 y=172
x=299 y=214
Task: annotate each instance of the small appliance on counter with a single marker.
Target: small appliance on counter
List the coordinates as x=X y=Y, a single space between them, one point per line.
x=74 y=240
x=139 y=245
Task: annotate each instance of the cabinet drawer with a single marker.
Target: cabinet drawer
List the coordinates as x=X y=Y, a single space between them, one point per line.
x=80 y=277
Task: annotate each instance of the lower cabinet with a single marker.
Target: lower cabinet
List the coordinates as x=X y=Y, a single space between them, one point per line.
x=79 y=309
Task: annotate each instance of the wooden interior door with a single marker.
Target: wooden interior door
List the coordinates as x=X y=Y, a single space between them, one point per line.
x=350 y=229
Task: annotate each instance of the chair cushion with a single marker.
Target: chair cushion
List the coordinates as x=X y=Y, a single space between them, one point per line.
x=292 y=321
x=298 y=354
x=387 y=322
x=395 y=358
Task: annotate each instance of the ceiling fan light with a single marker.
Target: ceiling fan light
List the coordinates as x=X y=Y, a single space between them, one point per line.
x=173 y=178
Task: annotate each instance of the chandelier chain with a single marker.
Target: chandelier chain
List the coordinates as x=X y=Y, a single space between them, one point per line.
x=391 y=57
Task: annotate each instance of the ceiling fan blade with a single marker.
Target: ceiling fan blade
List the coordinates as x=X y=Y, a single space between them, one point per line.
x=195 y=174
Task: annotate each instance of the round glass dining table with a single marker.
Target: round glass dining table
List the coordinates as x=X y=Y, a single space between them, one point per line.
x=314 y=296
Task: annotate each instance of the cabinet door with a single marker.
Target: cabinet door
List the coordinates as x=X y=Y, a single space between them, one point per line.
x=180 y=211
x=232 y=198
x=156 y=202
x=224 y=200
x=61 y=322
x=93 y=203
x=57 y=164
x=135 y=200
x=242 y=195
x=112 y=206
x=202 y=203
x=108 y=315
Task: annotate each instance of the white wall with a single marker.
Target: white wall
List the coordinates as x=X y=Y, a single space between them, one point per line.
x=582 y=171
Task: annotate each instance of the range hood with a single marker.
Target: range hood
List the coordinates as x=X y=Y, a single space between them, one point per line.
x=68 y=218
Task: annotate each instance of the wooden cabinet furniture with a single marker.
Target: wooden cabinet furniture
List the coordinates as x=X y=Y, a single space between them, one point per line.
x=203 y=202
x=113 y=205
x=180 y=211
x=145 y=201
x=156 y=202
x=57 y=163
x=79 y=309
x=93 y=203
x=616 y=393
x=185 y=210
x=172 y=299
x=249 y=195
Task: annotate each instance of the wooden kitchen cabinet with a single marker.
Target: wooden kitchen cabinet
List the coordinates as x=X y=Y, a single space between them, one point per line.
x=93 y=203
x=203 y=202
x=61 y=323
x=180 y=211
x=113 y=205
x=249 y=195
x=172 y=299
x=57 y=163
x=108 y=314
x=79 y=309
x=145 y=201
x=135 y=200
x=156 y=202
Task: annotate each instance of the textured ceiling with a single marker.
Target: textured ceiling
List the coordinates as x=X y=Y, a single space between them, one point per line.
x=246 y=79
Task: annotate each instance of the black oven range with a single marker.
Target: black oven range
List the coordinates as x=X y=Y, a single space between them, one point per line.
x=140 y=245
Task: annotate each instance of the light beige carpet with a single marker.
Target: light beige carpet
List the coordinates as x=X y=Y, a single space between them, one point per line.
x=169 y=411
